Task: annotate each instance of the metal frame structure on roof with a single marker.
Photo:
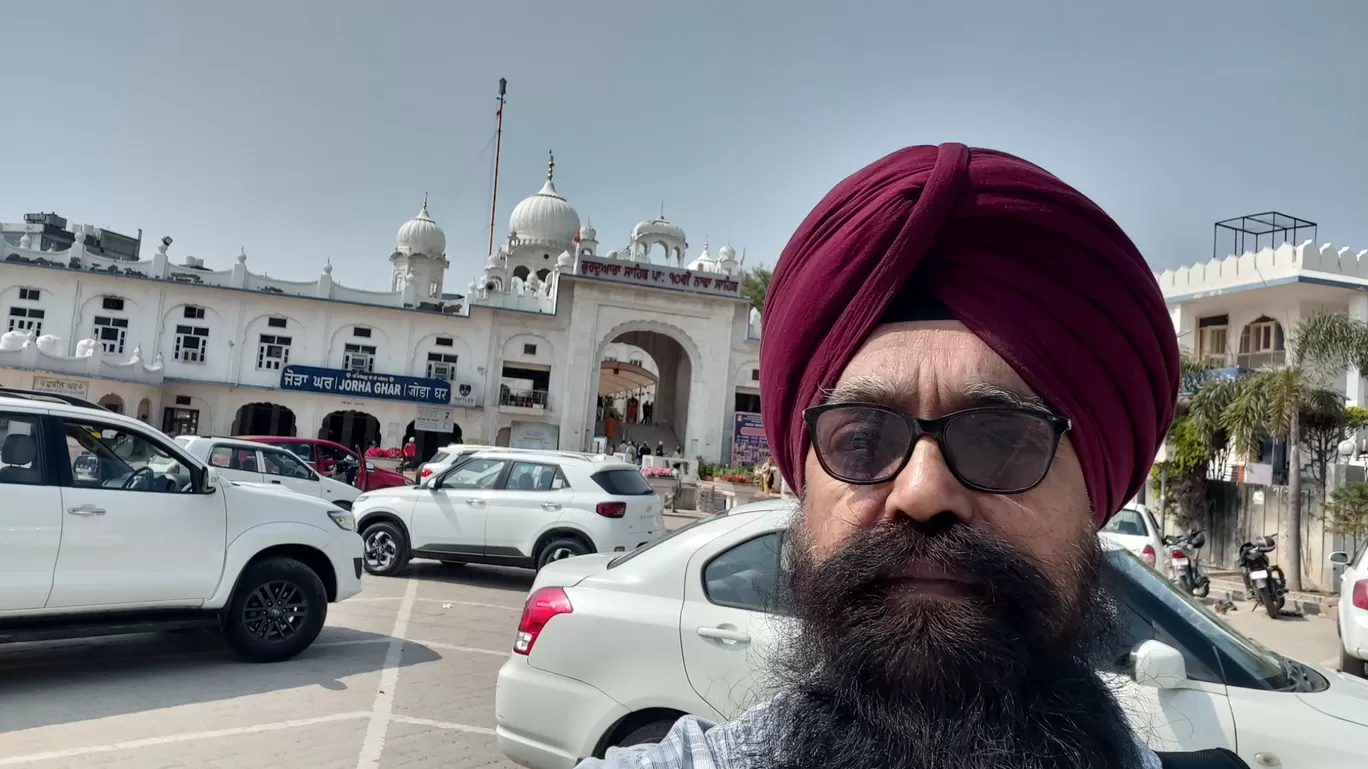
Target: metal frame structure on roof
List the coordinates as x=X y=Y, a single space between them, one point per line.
x=620 y=378
x=1255 y=231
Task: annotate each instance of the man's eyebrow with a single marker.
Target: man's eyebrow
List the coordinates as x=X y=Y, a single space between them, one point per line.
x=985 y=394
x=864 y=389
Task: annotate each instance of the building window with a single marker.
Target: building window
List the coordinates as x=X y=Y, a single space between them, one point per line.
x=610 y=356
x=1211 y=339
x=361 y=331
x=191 y=342
x=441 y=366
x=359 y=357
x=26 y=319
x=30 y=294
x=1261 y=344
x=529 y=349
x=112 y=332
x=194 y=313
x=396 y=282
x=434 y=288
x=635 y=361
x=273 y=352
x=444 y=341
x=755 y=375
x=113 y=303
x=182 y=400
x=275 y=322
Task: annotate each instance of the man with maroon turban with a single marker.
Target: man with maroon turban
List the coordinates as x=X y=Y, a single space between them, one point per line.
x=966 y=367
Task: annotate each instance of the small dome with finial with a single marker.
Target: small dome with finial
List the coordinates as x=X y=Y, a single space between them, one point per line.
x=421 y=235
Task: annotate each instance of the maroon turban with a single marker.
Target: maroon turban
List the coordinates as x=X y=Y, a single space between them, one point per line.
x=1023 y=260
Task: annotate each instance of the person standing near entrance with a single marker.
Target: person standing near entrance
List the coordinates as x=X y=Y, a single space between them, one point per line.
x=410 y=454
x=644 y=452
x=609 y=424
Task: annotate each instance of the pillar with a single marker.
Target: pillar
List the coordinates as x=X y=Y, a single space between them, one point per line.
x=1354 y=385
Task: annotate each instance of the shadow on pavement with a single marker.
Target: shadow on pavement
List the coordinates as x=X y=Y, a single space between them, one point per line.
x=43 y=684
x=473 y=575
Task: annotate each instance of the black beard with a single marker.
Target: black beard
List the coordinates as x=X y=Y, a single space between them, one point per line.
x=879 y=676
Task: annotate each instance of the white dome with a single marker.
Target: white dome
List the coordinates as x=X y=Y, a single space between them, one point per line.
x=545 y=217
x=587 y=232
x=704 y=262
x=421 y=235
x=726 y=254
x=658 y=227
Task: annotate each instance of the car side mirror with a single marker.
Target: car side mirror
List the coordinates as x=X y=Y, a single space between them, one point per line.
x=1159 y=665
x=1339 y=558
x=210 y=481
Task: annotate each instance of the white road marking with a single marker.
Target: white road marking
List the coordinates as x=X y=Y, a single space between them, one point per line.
x=374 y=743
x=455 y=648
x=442 y=601
x=353 y=642
x=443 y=725
x=174 y=738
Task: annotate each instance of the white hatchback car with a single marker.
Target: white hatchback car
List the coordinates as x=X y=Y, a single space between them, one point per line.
x=692 y=624
x=1352 y=619
x=253 y=462
x=514 y=508
x=1133 y=528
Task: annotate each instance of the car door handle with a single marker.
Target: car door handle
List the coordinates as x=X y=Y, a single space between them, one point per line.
x=550 y=506
x=475 y=502
x=724 y=634
x=86 y=510
x=276 y=482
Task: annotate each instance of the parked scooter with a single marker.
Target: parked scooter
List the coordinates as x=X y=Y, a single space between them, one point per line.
x=1188 y=573
x=1267 y=582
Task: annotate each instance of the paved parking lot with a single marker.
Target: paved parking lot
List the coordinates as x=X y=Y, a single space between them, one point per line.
x=403 y=676
x=360 y=697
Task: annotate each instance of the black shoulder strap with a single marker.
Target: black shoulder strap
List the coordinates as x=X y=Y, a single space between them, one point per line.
x=1219 y=758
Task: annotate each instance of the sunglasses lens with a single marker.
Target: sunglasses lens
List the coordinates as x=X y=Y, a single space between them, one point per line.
x=861 y=444
x=1001 y=451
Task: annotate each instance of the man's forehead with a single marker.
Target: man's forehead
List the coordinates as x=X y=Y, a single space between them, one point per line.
x=936 y=365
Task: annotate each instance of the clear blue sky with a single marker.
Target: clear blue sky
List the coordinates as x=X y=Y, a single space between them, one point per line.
x=305 y=131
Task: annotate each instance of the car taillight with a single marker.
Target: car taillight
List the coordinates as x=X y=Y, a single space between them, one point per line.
x=426 y=472
x=1360 y=596
x=1148 y=555
x=611 y=509
x=541 y=606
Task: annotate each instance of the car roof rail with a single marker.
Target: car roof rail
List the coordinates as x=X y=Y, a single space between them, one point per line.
x=37 y=395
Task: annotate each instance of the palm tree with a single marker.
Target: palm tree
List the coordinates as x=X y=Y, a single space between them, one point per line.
x=1270 y=401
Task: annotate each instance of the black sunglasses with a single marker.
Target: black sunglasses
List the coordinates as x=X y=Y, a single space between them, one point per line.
x=994 y=449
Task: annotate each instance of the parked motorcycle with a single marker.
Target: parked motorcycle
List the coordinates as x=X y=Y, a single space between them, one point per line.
x=1188 y=573
x=1267 y=582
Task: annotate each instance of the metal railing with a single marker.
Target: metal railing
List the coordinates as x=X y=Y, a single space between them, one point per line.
x=526 y=399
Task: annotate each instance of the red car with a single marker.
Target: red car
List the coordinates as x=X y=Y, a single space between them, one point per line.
x=325 y=455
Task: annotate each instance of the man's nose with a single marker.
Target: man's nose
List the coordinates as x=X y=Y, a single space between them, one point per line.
x=926 y=488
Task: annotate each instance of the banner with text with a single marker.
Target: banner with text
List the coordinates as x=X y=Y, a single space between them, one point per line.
x=660 y=276
x=341 y=382
x=749 y=445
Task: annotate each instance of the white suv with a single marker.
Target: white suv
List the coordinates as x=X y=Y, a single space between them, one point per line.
x=99 y=541
x=253 y=462
x=513 y=508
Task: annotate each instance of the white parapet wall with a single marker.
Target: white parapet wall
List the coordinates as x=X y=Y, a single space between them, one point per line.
x=1267 y=267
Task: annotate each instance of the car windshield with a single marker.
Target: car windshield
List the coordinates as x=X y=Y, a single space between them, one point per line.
x=1253 y=656
x=1127 y=522
x=623 y=483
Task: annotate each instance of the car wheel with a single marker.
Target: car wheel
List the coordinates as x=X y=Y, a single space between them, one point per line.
x=278 y=609
x=1352 y=665
x=648 y=734
x=560 y=549
x=386 y=549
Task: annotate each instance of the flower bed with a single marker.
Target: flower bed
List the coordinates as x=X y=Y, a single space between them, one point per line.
x=657 y=472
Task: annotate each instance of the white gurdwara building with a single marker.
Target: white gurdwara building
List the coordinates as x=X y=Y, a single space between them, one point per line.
x=549 y=333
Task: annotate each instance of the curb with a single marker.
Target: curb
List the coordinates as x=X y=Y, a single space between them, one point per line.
x=1309 y=604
